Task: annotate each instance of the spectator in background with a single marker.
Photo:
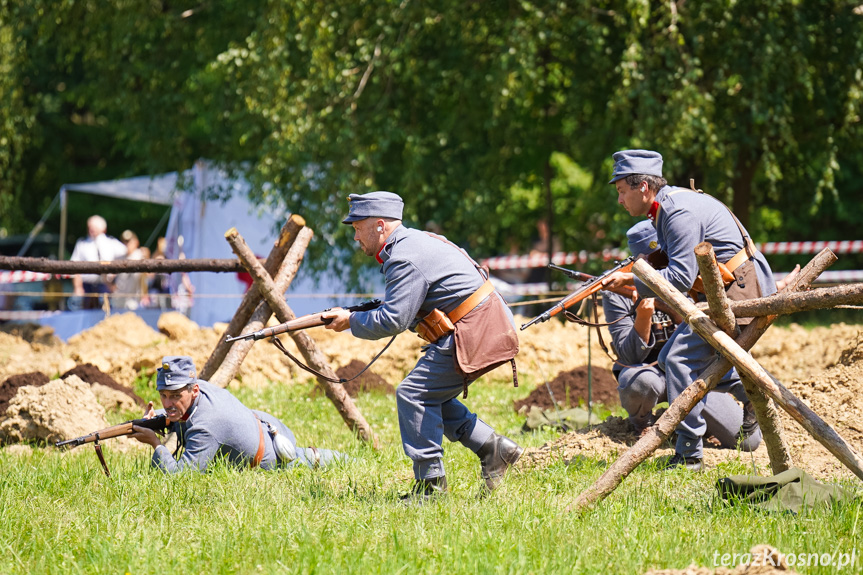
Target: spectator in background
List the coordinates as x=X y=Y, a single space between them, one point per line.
x=96 y=247
x=131 y=288
x=159 y=284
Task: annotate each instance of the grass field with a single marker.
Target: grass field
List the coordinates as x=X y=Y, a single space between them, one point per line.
x=60 y=514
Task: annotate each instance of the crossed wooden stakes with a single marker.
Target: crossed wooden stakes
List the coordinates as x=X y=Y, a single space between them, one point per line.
x=265 y=297
x=733 y=344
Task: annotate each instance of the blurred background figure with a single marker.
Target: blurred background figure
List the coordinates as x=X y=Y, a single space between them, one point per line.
x=159 y=284
x=96 y=247
x=131 y=288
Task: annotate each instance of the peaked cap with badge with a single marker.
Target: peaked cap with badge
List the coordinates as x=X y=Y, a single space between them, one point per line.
x=177 y=372
x=642 y=238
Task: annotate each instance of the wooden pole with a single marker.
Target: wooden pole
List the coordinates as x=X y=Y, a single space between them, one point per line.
x=252 y=298
x=765 y=410
x=680 y=407
x=45 y=265
x=313 y=356
x=748 y=367
x=785 y=303
x=238 y=350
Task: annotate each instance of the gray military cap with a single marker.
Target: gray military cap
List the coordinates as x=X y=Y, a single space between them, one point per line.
x=374 y=205
x=177 y=372
x=642 y=238
x=629 y=162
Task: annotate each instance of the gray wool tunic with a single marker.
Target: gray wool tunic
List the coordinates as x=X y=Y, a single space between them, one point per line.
x=687 y=218
x=422 y=273
x=220 y=425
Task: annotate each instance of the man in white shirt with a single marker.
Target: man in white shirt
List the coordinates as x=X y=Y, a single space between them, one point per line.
x=96 y=247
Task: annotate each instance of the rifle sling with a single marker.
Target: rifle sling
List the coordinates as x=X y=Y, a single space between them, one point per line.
x=98 y=447
x=320 y=375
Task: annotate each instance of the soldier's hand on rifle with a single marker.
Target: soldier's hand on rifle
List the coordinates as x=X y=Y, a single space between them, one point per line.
x=144 y=435
x=618 y=280
x=646 y=307
x=341 y=319
x=149 y=412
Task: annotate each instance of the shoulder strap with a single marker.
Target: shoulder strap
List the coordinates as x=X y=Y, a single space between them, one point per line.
x=747 y=244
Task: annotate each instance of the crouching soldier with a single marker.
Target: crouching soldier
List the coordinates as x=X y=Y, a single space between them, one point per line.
x=210 y=422
x=639 y=331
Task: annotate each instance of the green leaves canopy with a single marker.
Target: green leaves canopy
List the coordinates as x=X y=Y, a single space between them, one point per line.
x=463 y=108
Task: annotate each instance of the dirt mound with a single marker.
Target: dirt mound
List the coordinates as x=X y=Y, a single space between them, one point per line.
x=368 y=382
x=177 y=326
x=32 y=333
x=58 y=410
x=570 y=387
x=9 y=388
x=93 y=375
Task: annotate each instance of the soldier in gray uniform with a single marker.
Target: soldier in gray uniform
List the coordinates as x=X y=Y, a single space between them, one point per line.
x=683 y=218
x=639 y=332
x=210 y=422
x=424 y=272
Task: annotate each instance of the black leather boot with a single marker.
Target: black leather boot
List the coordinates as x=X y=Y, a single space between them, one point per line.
x=425 y=490
x=497 y=455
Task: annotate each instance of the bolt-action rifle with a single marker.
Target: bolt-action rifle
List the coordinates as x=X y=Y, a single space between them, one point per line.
x=625 y=291
x=585 y=290
x=159 y=424
x=303 y=322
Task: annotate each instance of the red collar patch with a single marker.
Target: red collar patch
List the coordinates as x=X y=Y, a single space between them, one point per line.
x=654 y=209
x=378 y=255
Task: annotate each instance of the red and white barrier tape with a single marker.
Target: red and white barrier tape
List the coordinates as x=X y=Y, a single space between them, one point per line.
x=570 y=258
x=563 y=258
x=19 y=276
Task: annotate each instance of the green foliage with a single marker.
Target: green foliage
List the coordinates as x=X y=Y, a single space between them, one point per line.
x=466 y=109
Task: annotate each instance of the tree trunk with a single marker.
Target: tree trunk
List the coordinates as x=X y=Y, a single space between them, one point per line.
x=785 y=303
x=252 y=298
x=313 y=356
x=742 y=186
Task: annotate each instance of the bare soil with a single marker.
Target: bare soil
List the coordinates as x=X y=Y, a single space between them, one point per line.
x=91 y=374
x=9 y=388
x=823 y=366
x=368 y=382
x=570 y=388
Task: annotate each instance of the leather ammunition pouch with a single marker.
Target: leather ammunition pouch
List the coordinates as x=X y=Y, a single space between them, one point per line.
x=434 y=326
x=729 y=270
x=437 y=324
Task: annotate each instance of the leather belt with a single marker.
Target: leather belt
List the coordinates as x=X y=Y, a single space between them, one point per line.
x=741 y=257
x=471 y=302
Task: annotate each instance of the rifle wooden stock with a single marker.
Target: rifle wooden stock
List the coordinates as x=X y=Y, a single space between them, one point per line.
x=302 y=322
x=157 y=424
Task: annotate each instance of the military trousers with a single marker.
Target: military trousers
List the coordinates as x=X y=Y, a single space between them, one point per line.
x=428 y=410
x=684 y=358
x=642 y=387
